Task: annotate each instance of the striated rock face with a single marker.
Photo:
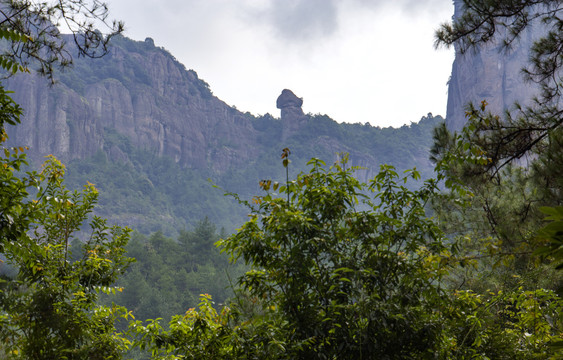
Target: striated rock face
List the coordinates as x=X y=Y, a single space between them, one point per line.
x=56 y=120
x=490 y=73
x=292 y=115
x=140 y=97
x=141 y=92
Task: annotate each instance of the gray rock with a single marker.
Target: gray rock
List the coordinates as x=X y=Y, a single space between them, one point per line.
x=172 y=113
x=490 y=73
x=292 y=115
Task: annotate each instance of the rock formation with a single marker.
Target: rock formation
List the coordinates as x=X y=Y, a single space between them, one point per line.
x=141 y=92
x=292 y=115
x=140 y=97
x=489 y=73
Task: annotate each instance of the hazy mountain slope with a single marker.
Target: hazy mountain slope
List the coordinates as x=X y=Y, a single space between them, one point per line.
x=149 y=133
x=142 y=92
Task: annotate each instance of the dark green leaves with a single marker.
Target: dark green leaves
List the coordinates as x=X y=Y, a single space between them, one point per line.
x=552 y=235
x=324 y=263
x=50 y=310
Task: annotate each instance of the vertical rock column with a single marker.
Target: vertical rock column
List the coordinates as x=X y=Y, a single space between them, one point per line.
x=292 y=115
x=491 y=73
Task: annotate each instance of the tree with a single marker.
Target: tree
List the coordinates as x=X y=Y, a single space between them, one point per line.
x=351 y=276
x=481 y=158
x=345 y=270
x=50 y=309
x=338 y=274
x=533 y=129
x=39 y=22
x=501 y=199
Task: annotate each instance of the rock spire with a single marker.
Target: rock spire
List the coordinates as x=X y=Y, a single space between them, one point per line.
x=292 y=114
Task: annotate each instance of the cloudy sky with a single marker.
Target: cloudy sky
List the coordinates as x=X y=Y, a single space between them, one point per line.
x=355 y=60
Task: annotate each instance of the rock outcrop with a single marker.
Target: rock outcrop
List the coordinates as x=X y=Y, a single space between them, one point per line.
x=141 y=92
x=292 y=115
x=490 y=73
x=140 y=97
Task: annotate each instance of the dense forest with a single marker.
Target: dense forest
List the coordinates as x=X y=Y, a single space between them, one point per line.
x=461 y=263
x=154 y=193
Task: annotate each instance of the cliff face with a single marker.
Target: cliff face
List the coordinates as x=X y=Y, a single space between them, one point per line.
x=165 y=133
x=489 y=73
x=56 y=121
x=141 y=92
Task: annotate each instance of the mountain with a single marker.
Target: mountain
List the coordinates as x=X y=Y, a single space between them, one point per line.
x=141 y=92
x=492 y=73
x=148 y=132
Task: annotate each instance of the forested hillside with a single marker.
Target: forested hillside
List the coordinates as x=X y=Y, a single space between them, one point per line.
x=149 y=134
x=334 y=261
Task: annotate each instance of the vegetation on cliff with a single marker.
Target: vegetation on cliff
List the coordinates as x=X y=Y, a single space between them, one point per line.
x=335 y=267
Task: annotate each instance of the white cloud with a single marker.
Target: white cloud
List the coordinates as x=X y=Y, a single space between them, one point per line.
x=355 y=60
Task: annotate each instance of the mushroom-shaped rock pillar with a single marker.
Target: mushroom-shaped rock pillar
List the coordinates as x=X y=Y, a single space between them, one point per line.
x=292 y=115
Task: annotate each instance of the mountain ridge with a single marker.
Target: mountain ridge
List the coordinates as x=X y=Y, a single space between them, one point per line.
x=140 y=91
x=139 y=104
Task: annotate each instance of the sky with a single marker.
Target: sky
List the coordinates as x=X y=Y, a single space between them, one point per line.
x=354 y=60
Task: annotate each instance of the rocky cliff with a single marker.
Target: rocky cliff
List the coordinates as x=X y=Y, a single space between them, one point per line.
x=143 y=93
x=490 y=73
x=149 y=133
x=292 y=115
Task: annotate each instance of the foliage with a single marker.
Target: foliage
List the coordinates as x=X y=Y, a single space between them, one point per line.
x=335 y=274
x=484 y=207
x=13 y=36
x=10 y=112
x=330 y=280
x=200 y=333
x=507 y=166
x=31 y=31
x=169 y=275
x=530 y=129
x=151 y=193
x=133 y=72
x=494 y=222
x=506 y=170
x=50 y=309
x=552 y=235
x=405 y=147
x=154 y=193
x=340 y=268
x=517 y=324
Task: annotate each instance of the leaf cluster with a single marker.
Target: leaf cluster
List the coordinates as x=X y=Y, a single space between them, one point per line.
x=528 y=130
x=334 y=273
x=32 y=36
x=49 y=310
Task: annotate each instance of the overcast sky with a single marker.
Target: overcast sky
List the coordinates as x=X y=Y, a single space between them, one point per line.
x=354 y=60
